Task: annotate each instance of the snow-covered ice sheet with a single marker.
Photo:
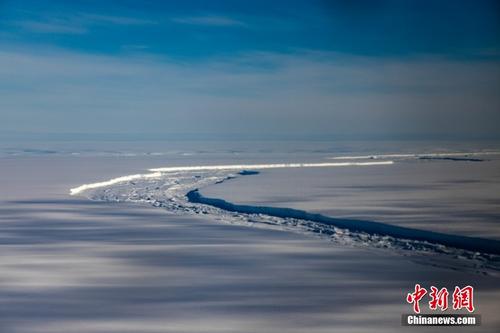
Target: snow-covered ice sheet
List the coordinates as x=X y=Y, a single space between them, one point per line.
x=176 y=190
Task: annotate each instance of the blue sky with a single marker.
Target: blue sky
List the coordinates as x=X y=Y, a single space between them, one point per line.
x=354 y=69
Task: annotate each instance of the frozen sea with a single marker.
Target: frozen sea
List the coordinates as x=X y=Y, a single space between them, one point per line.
x=136 y=255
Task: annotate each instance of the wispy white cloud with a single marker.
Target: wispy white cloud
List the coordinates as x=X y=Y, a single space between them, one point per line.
x=76 y=23
x=134 y=47
x=52 y=27
x=210 y=20
x=118 y=20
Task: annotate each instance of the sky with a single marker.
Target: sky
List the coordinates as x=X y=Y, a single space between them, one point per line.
x=250 y=69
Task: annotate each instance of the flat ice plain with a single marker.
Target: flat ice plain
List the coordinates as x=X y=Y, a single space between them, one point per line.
x=73 y=265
